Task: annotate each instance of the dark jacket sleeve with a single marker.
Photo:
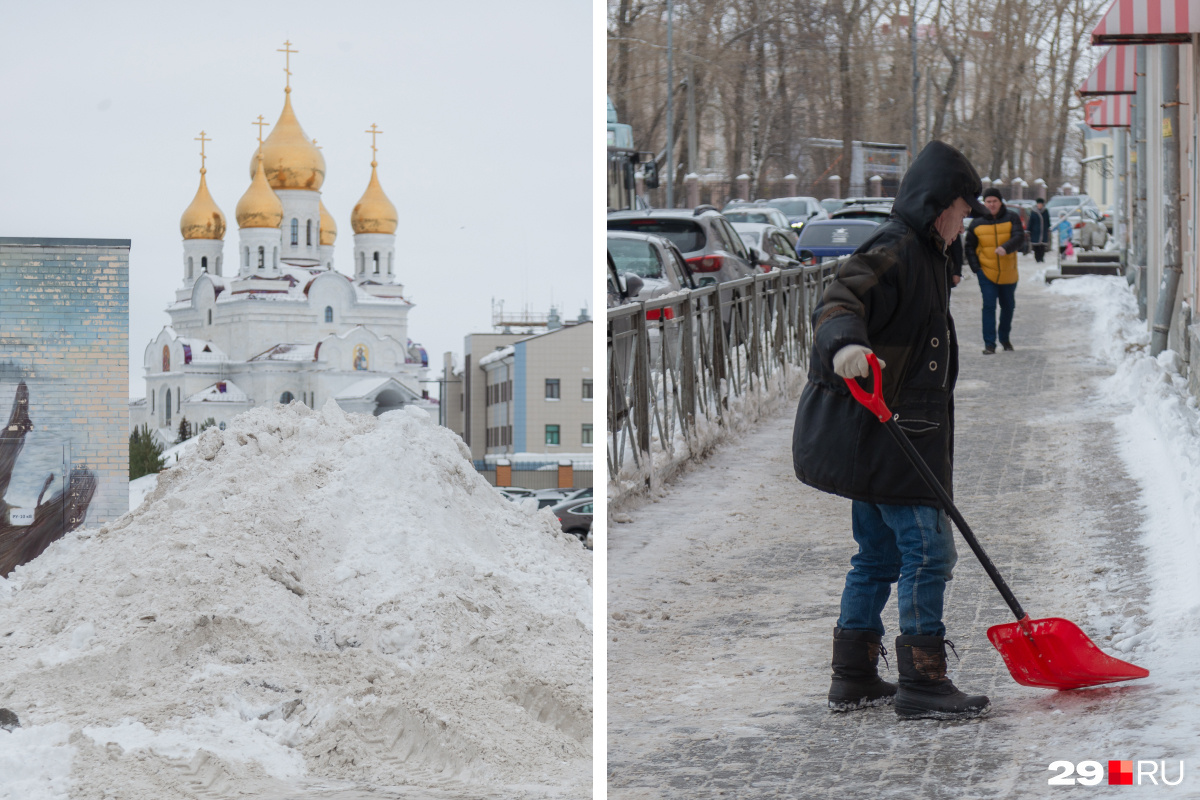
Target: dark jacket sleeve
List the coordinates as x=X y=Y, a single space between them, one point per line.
x=861 y=297
x=971 y=246
x=1018 y=238
x=956 y=257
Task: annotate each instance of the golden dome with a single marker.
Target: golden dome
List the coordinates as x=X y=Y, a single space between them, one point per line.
x=328 y=226
x=259 y=206
x=374 y=213
x=202 y=219
x=290 y=158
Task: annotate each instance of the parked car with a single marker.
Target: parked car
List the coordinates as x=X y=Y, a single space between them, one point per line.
x=1062 y=202
x=514 y=492
x=575 y=516
x=875 y=209
x=772 y=246
x=1088 y=230
x=654 y=259
x=833 y=238
x=1022 y=207
x=621 y=288
x=832 y=204
x=799 y=210
x=713 y=250
x=764 y=215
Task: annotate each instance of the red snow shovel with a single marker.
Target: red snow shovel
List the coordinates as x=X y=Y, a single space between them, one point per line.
x=1051 y=653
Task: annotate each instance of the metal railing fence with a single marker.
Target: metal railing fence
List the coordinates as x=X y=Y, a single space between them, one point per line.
x=681 y=367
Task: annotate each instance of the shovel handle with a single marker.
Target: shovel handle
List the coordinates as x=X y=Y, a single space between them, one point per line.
x=874 y=403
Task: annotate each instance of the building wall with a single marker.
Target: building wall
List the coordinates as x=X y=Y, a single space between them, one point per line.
x=475 y=347
x=564 y=354
x=64 y=332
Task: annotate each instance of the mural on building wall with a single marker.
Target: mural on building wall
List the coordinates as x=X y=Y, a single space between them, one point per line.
x=166 y=358
x=64 y=358
x=26 y=532
x=360 y=357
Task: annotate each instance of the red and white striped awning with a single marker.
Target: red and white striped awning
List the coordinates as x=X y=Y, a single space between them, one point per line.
x=1114 y=73
x=1148 y=22
x=1109 y=111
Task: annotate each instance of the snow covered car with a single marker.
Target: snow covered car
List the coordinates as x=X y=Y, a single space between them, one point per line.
x=761 y=215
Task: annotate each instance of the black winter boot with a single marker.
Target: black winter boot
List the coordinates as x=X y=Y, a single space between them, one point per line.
x=925 y=692
x=856 y=682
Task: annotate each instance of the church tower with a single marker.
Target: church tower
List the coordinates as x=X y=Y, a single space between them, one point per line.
x=203 y=229
x=374 y=222
x=259 y=214
x=295 y=169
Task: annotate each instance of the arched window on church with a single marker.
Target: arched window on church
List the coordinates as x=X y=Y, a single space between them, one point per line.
x=261 y=258
x=167 y=406
x=152 y=402
x=308 y=234
x=391 y=256
x=178 y=398
x=204 y=263
x=210 y=316
x=329 y=313
x=218 y=265
x=361 y=267
x=246 y=257
x=189 y=271
x=286 y=398
x=295 y=231
x=376 y=262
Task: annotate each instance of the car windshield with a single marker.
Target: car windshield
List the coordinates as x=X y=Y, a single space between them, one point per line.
x=749 y=216
x=687 y=235
x=793 y=208
x=815 y=235
x=636 y=256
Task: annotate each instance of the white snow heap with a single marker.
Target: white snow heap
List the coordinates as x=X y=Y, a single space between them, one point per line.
x=332 y=595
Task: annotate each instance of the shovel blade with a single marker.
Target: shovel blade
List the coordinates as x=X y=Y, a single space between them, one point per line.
x=1054 y=653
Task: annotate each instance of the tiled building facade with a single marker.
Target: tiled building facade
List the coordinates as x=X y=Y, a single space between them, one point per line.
x=64 y=334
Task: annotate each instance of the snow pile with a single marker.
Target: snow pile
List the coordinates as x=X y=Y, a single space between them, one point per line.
x=308 y=595
x=1158 y=433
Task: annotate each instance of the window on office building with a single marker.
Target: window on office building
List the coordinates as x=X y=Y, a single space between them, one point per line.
x=585 y=436
x=552 y=390
x=552 y=434
x=587 y=388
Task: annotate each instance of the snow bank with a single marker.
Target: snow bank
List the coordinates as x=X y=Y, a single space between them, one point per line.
x=1158 y=433
x=308 y=594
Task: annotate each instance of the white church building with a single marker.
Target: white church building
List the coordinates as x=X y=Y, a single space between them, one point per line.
x=273 y=321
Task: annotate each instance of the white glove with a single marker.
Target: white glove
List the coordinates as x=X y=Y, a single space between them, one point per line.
x=851 y=362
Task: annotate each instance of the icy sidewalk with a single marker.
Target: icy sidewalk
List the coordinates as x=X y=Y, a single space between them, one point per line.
x=723 y=595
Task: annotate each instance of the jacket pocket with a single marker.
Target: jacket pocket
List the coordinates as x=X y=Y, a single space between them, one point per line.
x=914 y=426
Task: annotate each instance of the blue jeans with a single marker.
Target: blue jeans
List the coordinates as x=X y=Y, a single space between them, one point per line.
x=1006 y=293
x=910 y=544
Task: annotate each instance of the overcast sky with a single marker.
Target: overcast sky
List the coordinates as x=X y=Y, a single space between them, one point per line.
x=486 y=151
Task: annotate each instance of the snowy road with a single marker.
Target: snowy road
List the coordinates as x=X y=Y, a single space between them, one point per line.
x=723 y=596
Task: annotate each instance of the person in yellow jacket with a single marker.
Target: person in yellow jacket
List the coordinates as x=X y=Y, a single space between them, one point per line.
x=993 y=242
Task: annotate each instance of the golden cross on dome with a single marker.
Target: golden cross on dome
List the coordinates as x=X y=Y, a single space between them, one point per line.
x=287 y=51
x=316 y=145
x=201 y=140
x=260 y=124
x=373 y=133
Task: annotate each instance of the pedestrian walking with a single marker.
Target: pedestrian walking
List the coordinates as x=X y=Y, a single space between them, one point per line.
x=1039 y=230
x=892 y=297
x=993 y=241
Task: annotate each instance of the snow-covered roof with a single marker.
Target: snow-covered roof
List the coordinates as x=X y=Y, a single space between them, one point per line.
x=497 y=355
x=288 y=352
x=200 y=351
x=369 y=387
x=219 y=392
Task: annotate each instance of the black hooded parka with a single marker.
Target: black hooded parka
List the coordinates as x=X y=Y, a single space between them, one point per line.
x=893 y=296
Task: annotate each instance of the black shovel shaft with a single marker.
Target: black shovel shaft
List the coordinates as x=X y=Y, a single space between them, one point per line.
x=897 y=433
